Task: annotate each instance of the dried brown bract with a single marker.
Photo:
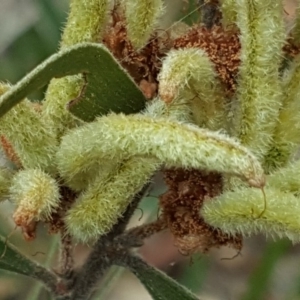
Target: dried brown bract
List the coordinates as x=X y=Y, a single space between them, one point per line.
x=180 y=210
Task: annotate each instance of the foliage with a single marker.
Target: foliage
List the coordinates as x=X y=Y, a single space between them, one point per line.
x=221 y=121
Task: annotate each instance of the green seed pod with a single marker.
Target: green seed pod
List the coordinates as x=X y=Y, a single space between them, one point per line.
x=106 y=198
x=287 y=132
x=242 y=211
x=176 y=145
x=31 y=138
x=85 y=24
x=259 y=90
x=141 y=18
x=189 y=74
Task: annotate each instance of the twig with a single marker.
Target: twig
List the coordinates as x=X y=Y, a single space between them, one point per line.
x=66 y=257
x=106 y=250
x=210 y=12
x=121 y=225
x=49 y=279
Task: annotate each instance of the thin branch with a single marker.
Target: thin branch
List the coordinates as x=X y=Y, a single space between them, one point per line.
x=66 y=256
x=106 y=250
x=210 y=12
x=49 y=279
x=120 y=227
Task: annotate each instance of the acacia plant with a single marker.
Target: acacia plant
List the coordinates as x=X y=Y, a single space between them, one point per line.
x=214 y=106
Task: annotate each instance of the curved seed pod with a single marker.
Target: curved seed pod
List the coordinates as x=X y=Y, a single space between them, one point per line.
x=259 y=89
x=287 y=132
x=240 y=211
x=85 y=23
x=155 y=109
x=36 y=195
x=106 y=198
x=31 y=138
x=189 y=74
x=59 y=93
x=141 y=19
x=176 y=145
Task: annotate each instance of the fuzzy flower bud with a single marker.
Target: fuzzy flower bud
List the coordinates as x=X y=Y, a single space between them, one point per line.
x=36 y=195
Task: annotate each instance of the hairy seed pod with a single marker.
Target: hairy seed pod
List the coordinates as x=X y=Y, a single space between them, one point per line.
x=117 y=137
x=240 y=212
x=85 y=24
x=190 y=75
x=259 y=90
x=32 y=140
x=141 y=18
x=104 y=201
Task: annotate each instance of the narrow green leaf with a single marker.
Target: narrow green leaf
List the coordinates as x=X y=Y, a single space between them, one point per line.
x=109 y=87
x=158 y=284
x=12 y=260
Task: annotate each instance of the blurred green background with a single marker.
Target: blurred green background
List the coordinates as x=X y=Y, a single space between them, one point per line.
x=30 y=31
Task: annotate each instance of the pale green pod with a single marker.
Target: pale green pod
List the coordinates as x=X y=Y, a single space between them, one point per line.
x=36 y=195
x=259 y=91
x=118 y=137
x=141 y=19
x=228 y=9
x=155 y=109
x=242 y=212
x=85 y=23
x=59 y=93
x=31 y=138
x=98 y=208
x=286 y=179
x=287 y=132
x=189 y=74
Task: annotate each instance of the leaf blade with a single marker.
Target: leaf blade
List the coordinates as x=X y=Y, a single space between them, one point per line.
x=109 y=81
x=12 y=260
x=159 y=285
